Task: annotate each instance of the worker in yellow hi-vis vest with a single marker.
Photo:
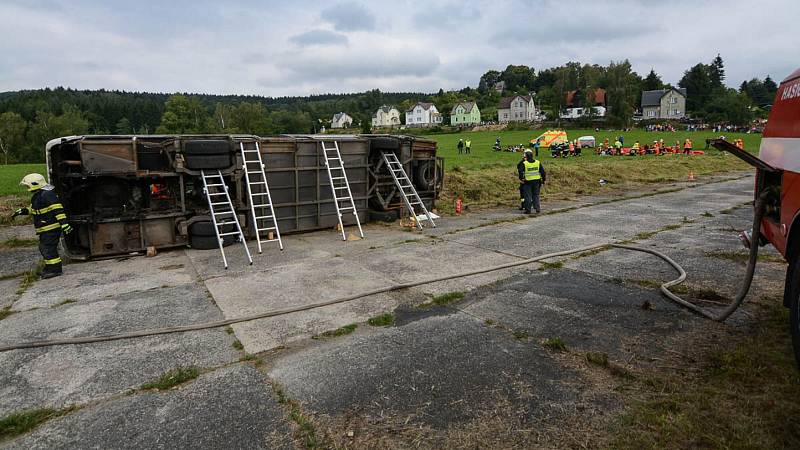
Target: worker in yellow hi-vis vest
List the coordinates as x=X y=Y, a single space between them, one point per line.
x=531 y=177
x=49 y=220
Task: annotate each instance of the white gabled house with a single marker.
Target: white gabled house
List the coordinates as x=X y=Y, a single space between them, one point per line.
x=341 y=120
x=423 y=115
x=386 y=116
x=519 y=108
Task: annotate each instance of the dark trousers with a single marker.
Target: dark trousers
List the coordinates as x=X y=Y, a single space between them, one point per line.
x=521 y=196
x=460 y=149
x=466 y=149
x=48 y=247
x=531 y=191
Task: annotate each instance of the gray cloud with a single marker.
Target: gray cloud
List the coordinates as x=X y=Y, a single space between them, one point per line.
x=319 y=37
x=349 y=16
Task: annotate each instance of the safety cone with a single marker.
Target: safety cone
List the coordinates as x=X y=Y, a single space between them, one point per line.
x=691 y=176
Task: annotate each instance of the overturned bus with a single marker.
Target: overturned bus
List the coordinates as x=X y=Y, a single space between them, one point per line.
x=124 y=194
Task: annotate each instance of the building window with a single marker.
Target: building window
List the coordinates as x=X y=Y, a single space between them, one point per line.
x=673 y=100
x=651 y=113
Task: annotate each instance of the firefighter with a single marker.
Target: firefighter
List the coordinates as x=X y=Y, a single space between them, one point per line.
x=467 y=146
x=460 y=146
x=521 y=188
x=49 y=220
x=531 y=177
x=687 y=147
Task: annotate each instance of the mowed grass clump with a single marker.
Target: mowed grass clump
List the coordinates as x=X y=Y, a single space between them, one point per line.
x=746 y=396
x=173 y=378
x=383 y=320
x=347 y=329
x=18 y=423
x=444 y=299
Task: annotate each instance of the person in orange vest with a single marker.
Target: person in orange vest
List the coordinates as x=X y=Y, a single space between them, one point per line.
x=571 y=148
x=656 y=148
x=687 y=147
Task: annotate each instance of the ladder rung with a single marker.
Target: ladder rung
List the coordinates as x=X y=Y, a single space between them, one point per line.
x=262 y=206
x=342 y=198
x=231 y=233
x=224 y=212
x=216 y=184
x=219 y=224
x=259 y=193
x=345 y=208
x=217 y=193
x=340 y=187
x=266 y=229
x=337 y=178
x=251 y=151
x=258 y=182
x=218 y=203
x=263 y=217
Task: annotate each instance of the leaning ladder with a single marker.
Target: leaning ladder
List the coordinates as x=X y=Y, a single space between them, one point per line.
x=222 y=212
x=340 y=187
x=406 y=187
x=261 y=209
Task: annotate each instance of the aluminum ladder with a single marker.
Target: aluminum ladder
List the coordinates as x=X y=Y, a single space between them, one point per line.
x=340 y=186
x=222 y=212
x=406 y=187
x=261 y=209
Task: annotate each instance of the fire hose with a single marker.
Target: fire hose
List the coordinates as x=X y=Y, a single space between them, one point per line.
x=720 y=317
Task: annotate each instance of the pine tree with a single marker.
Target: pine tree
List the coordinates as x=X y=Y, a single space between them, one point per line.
x=652 y=81
x=716 y=72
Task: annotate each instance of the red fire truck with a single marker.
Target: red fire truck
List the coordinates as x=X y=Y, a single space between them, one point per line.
x=777 y=191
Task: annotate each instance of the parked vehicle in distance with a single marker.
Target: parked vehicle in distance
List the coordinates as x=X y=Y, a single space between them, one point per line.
x=124 y=194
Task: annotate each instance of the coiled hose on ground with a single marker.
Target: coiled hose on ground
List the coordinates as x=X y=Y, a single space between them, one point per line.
x=745 y=287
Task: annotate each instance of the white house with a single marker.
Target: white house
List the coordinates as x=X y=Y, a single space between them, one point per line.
x=519 y=108
x=577 y=113
x=386 y=116
x=423 y=115
x=341 y=120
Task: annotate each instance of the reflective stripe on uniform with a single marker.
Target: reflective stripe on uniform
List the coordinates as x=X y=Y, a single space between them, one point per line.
x=51 y=227
x=47 y=209
x=53 y=261
x=61 y=216
x=532 y=171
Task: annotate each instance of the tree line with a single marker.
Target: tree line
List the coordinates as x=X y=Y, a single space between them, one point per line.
x=28 y=119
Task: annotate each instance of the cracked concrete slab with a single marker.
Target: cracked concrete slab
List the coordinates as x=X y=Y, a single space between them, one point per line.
x=107 y=278
x=68 y=375
x=231 y=407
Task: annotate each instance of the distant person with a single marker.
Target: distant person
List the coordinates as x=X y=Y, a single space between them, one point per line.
x=617 y=147
x=536 y=147
x=531 y=177
x=467 y=146
x=460 y=146
x=687 y=147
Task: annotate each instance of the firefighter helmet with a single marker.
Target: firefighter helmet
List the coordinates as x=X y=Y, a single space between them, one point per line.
x=33 y=181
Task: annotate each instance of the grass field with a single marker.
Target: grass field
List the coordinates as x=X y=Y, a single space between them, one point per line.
x=486 y=178
x=10 y=175
x=12 y=195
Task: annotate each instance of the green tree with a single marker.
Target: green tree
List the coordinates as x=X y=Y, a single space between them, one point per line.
x=49 y=126
x=183 y=115
x=250 y=118
x=729 y=106
x=123 y=126
x=623 y=85
x=697 y=83
x=488 y=80
x=12 y=134
x=519 y=79
x=716 y=72
x=652 y=82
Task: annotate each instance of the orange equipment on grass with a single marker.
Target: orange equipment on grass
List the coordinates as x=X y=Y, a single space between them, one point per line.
x=551 y=137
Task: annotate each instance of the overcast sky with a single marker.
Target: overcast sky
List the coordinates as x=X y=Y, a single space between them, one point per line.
x=301 y=47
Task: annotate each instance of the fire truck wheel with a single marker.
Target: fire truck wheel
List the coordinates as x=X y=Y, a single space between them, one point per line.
x=794 y=308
